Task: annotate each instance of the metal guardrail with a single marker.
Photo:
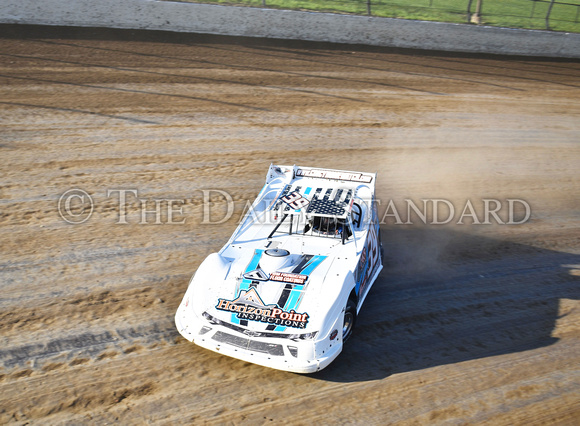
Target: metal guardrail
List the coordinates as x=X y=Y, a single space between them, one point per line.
x=532 y=14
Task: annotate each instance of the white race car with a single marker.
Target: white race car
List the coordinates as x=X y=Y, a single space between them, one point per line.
x=285 y=290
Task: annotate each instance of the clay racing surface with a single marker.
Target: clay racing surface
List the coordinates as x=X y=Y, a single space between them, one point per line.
x=467 y=322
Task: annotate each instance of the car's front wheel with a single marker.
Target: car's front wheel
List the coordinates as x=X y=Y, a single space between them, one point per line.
x=349 y=320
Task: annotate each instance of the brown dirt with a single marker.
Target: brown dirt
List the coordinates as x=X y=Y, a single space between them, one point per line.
x=467 y=323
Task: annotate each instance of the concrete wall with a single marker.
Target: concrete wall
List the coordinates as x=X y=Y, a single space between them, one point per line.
x=254 y=22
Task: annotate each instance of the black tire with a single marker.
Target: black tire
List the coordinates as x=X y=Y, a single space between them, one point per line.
x=349 y=320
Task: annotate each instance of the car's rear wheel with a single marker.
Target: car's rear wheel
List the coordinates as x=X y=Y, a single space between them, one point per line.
x=349 y=320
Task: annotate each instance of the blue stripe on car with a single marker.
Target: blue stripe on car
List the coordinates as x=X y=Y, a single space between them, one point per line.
x=294 y=298
x=245 y=284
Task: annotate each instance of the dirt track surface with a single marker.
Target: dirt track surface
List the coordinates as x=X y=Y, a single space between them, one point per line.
x=466 y=323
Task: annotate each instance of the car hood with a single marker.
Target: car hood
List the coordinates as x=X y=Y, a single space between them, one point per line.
x=268 y=290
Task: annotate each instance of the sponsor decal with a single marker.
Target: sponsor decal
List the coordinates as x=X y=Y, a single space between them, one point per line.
x=249 y=306
x=288 y=277
x=335 y=175
x=333 y=334
x=257 y=274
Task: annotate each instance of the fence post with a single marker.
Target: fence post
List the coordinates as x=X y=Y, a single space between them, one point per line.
x=548 y=14
x=263 y=3
x=477 y=17
x=369 y=7
x=469 y=11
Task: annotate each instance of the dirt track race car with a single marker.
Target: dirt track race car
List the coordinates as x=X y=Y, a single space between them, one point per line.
x=285 y=290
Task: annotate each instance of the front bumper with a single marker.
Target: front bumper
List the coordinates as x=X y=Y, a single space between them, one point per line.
x=306 y=356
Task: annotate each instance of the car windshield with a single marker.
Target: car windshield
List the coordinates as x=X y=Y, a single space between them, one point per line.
x=314 y=225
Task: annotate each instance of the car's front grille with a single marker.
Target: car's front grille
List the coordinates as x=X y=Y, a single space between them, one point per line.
x=230 y=339
x=251 y=345
x=303 y=336
x=268 y=348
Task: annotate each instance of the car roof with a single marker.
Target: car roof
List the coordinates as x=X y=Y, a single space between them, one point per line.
x=322 y=192
x=320 y=200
